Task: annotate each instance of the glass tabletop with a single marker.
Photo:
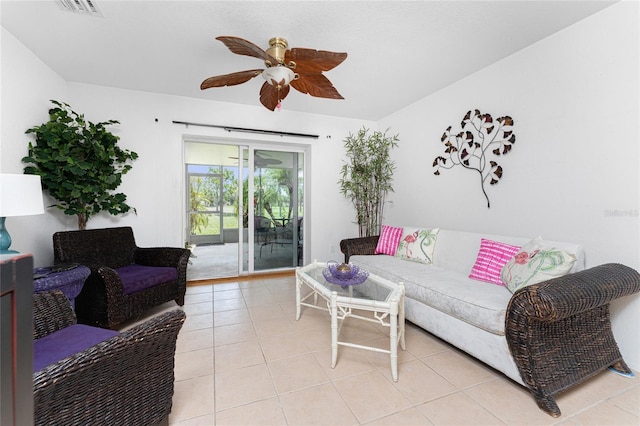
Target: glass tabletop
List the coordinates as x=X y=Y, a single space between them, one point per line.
x=373 y=288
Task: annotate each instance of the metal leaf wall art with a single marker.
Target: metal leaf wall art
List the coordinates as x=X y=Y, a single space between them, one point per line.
x=470 y=148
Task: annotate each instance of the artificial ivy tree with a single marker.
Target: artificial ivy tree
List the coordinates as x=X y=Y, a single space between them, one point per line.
x=79 y=163
x=367 y=177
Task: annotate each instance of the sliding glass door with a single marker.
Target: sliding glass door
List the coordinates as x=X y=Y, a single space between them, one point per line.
x=244 y=209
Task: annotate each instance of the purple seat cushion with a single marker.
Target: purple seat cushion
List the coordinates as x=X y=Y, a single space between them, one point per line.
x=65 y=342
x=139 y=277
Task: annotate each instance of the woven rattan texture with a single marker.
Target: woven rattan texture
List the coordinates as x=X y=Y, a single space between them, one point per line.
x=102 y=301
x=126 y=380
x=559 y=331
x=357 y=246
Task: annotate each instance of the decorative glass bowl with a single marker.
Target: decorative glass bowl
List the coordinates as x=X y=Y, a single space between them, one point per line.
x=344 y=274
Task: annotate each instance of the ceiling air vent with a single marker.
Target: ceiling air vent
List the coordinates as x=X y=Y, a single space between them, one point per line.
x=86 y=7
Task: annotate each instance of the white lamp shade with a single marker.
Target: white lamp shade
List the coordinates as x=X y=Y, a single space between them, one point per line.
x=20 y=195
x=275 y=75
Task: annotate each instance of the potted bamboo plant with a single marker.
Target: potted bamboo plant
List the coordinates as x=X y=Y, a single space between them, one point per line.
x=367 y=177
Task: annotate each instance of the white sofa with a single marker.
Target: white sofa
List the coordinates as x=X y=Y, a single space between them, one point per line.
x=470 y=314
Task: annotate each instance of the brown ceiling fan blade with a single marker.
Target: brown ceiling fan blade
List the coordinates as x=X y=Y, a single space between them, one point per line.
x=313 y=61
x=230 y=79
x=270 y=95
x=240 y=46
x=316 y=85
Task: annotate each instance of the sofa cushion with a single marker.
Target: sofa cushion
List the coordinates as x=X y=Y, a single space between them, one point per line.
x=417 y=245
x=65 y=342
x=389 y=240
x=139 y=277
x=535 y=262
x=491 y=258
x=480 y=304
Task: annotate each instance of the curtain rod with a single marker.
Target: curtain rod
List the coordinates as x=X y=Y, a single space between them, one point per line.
x=247 y=130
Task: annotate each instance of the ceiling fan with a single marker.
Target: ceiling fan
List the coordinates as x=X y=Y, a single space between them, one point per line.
x=299 y=67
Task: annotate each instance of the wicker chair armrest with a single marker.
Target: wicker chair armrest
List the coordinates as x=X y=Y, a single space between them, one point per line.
x=51 y=312
x=161 y=256
x=571 y=294
x=358 y=246
x=120 y=381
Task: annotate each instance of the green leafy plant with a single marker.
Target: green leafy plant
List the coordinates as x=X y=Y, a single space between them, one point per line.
x=367 y=177
x=469 y=148
x=79 y=163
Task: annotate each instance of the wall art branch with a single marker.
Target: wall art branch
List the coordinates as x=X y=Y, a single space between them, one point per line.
x=470 y=148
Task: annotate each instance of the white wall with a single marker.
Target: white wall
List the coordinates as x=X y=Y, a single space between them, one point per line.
x=154 y=186
x=573 y=173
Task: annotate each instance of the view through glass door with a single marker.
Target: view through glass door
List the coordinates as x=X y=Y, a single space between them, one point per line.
x=231 y=233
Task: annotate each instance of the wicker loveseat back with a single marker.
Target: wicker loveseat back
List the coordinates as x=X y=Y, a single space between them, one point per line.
x=112 y=247
x=113 y=257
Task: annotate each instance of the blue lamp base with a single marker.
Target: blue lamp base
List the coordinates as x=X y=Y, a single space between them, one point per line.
x=5 y=239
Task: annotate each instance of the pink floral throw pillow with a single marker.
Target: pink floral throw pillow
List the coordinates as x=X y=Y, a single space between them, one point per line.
x=417 y=245
x=536 y=262
x=491 y=258
x=389 y=240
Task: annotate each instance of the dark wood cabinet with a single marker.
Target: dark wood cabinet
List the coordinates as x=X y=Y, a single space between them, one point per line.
x=16 y=340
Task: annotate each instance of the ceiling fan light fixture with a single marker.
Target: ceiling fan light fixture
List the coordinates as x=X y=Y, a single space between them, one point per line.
x=278 y=76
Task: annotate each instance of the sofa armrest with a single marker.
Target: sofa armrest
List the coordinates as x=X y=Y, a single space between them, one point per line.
x=102 y=289
x=355 y=246
x=51 y=312
x=559 y=331
x=575 y=293
x=119 y=381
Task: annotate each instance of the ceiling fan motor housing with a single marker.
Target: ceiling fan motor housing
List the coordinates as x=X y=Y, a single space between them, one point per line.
x=277 y=47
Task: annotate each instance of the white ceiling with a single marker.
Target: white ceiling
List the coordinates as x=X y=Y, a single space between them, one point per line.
x=399 y=51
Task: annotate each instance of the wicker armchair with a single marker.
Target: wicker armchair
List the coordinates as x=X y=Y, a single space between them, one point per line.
x=559 y=331
x=112 y=254
x=125 y=380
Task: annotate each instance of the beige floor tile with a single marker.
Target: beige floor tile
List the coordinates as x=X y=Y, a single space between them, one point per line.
x=228 y=304
x=227 y=294
x=263 y=312
x=194 y=340
x=238 y=355
x=243 y=386
x=193 y=364
x=311 y=319
x=371 y=396
x=192 y=398
x=236 y=316
x=266 y=412
x=420 y=343
x=316 y=405
x=408 y=417
x=234 y=333
x=282 y=346
x=206 y=420
x=459 y=369
x=605 y=414
x=198 y=308
x=383 y=360
x=351 y=361
x=360 y=332
x=225 y=287
x=628 y=400
x=509 y=402
x=271 y=327
x=457 y=409
x=191 y=298
x=301 y=371
x=193 y=289
x=420 y=383
x=609 y=384
x=197 y=322
x=316 y=339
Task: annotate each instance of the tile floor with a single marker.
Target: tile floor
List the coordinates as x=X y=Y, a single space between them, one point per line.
x=243 y=359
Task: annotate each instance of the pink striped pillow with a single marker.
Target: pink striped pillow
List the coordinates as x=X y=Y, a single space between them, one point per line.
x=491 y=258
x=389 y=240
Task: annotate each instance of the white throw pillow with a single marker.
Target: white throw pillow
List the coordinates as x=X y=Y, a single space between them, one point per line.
x=417 y=244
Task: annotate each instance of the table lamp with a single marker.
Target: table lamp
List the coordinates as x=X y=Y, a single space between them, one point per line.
x=20 y=195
